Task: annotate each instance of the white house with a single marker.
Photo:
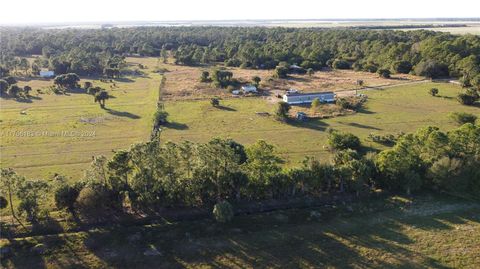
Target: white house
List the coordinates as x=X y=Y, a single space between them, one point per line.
x=46 y=73
x=306 y=98
x=249 y=88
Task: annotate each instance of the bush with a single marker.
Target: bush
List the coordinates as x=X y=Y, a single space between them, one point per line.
x=403 y=67
x=466 y=99
x=340 y=64
x=223 y=212
x=431 y=69
x=384 y=73
x=315 y=103
x=95 y=200
x=462 y=117
x=160 y=117
x=353 y=103
x=215 y=101
x=433 y=91
x=66 y=195
x=281 y=72
x=282 y=111
x=342 y=141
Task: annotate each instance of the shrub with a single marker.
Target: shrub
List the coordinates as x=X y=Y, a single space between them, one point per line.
x=281 y=72
x=340 y=64
x=353 y=103
x=431 y=69
x=466 y=99
x=66 y=195
x=433 y=91
x=223 y=212
x=384 y=73
x=462 y=117
x=342 y=141
x=95 y=200
x=282 y=111
x=403 y=67
x=215 y=101
x=315 y=103
x=205 y=76
x=160 y=117
x=370 y=68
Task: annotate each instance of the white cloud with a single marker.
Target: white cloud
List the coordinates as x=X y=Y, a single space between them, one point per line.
x=38 y=11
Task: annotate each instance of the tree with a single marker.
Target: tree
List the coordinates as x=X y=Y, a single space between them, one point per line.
x=66 y=195
x=69 y=80
x=384 y=73
x=281 y=72
x=315 y=104
x=221 y=78
x=343 y=141
x=24 y=65
x=3 y=86
x=310 y=72
x=205 y=77
x=433 y=91
x=463 y=117
x=223 y=212
x=120 y=166
x=160 y=117
x=256 y=81
x=31 y=193
x=215 y=102
x=10 y=80
x=282 y=111
x=100 y=97
x=403 y=67
x=87 y=85
x=14 y=90
x=26 y=90
x=431 y=69
x=9 y=182
x=340 y=64
x=468 y=98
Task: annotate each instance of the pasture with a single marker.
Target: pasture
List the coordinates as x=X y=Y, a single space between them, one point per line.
x=60 y=133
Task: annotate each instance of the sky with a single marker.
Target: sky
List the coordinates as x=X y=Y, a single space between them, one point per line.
x=59 y=11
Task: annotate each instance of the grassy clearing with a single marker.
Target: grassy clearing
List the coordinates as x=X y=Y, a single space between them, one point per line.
x=403 y=108
x=398 y=232
x=399 y=109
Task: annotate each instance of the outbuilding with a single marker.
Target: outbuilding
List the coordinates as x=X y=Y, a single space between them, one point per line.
x=249 y=88
x=46 y=74
x=307 y=98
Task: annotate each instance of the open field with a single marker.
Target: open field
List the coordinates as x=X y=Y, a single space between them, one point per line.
x=68 y=130
x=397 y=232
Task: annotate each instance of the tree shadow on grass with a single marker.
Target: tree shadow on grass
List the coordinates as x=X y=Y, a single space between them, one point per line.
x=122 y=113
x=358 y=125
x=365 y=111
x=313 y=124
x=176 y=125
x=226 y=108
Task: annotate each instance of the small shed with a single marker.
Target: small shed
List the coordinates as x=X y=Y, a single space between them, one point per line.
x=249 y=88
x=47 y=73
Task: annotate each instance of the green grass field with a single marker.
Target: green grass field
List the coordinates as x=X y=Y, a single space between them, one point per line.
x=129 y=117
x=397 y=109
x=397 y=232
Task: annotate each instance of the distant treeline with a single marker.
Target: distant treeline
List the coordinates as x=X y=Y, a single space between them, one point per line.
x=91 y=51
x=407 y=26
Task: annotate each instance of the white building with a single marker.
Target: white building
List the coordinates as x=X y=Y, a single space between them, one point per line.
x=306 y=98
x=46 y=73
x=249 y=88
